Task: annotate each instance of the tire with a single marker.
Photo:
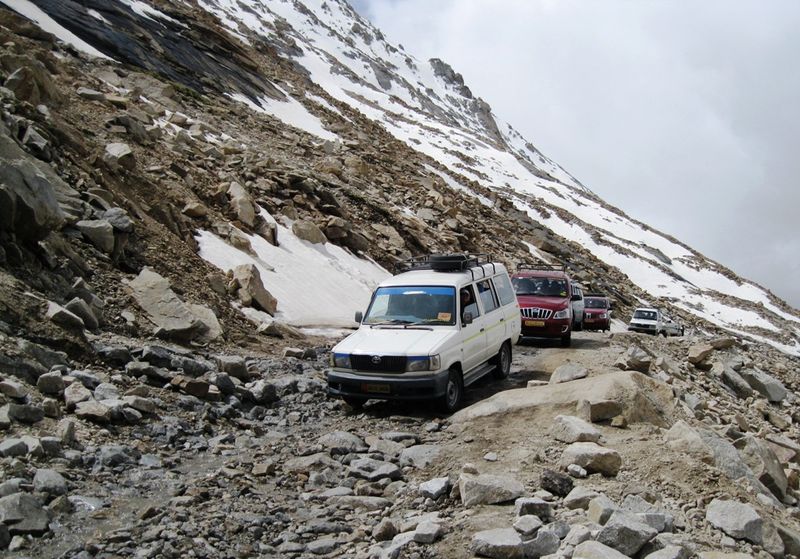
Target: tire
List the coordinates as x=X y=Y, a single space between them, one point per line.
x=566 y=339
x=454 y=393
x=664 y=333
x=354 y=402
x=502 y=361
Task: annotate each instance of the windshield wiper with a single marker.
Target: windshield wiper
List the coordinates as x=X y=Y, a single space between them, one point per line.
x=391 y=322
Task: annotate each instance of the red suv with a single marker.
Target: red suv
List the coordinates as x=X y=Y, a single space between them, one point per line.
x=544 y=294
x=596 y=313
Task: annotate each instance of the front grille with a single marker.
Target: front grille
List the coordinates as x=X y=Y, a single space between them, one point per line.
x=382 y=363
x=535 y=312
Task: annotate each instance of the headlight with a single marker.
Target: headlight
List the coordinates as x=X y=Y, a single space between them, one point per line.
x=563 y=313
x=427 y=363
x=602 y=315
x=341 y=360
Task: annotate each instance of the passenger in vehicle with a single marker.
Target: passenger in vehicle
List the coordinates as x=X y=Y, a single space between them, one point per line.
x=467 y=303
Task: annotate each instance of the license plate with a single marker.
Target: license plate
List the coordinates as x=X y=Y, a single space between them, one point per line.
x=539 y=323
x=375 y=388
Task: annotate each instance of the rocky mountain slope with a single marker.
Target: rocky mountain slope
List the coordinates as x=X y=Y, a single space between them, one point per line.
x=192 y=192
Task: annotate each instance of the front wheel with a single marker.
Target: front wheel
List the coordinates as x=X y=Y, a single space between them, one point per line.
x=502 y=362
x=566 y=339
x=454 y=393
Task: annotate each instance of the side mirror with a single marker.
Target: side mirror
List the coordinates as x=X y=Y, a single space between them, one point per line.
x=359 y=316
x=467 y=318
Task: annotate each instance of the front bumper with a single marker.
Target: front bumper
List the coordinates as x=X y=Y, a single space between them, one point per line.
x=552 y=328
x=387 y=387
x=644 y=328
x=592 y=323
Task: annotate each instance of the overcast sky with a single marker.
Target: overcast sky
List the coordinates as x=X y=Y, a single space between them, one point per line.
x=684 y=114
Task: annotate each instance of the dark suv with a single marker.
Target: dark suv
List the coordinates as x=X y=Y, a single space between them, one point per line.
x=596 y=313
x=545 y=295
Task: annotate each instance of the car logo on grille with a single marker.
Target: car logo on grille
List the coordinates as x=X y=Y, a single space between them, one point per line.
x=376 y=359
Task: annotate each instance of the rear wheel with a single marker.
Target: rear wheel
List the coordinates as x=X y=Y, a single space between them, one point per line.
x=454 y=393
x=502 y=361
x=566 y=339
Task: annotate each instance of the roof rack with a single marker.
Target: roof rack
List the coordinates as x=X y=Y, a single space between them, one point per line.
x=445 y=263
x=541 y=267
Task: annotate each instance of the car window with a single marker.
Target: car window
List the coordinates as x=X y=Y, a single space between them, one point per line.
x=504 y=290
x=592 y=303
x=486 y=293
x=468 y=302
x=543 y=287
x=412 y=305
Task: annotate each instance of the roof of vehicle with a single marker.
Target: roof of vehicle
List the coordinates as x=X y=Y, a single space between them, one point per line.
x=595 y=297
x=540 y=274
x=652 y=309
x=456 y=279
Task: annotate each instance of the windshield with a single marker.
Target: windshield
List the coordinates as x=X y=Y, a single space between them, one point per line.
x=646 y=315
x=595 y=303
x=540 y=286
x=413 y=304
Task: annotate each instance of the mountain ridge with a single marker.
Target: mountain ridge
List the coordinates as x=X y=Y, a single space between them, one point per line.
x=429 y=108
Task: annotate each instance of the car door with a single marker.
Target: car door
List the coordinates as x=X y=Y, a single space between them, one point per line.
x=493 y=319
x=473 y=335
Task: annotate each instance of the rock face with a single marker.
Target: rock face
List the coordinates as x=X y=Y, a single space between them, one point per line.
x=28 y=205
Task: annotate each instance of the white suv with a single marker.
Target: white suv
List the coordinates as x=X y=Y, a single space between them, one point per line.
x=437 y=327
x=653 y=321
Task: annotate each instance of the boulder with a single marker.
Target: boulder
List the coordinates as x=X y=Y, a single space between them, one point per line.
x=571 y=429
x=635 y=359
x=118 y=155
x=488 y=489
x=699 y=353
x=50 y=482
x=99 y=232
x=434 y=488
x=23 y=514
x=74 y=394
x=738 y=520
x=499 y=543
x=421 y=455
x=637 y=397
x=242 y=204
x=308 y=231
x=593 y=457
x=342 y=442
x=595 y=550
x=31 y=81
x=579 y=498
x=374 y=470
x=526 y=506
x=768 y=386
x=556 y=482
x=626 y=533
x=61 y=316
x=763 y=462
x=172 y=316
x=251 y=288
x=568 y=372
x=81 y=309
x=93 y=411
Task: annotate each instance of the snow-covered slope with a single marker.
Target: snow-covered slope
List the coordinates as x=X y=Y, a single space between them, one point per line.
x=426 y=105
